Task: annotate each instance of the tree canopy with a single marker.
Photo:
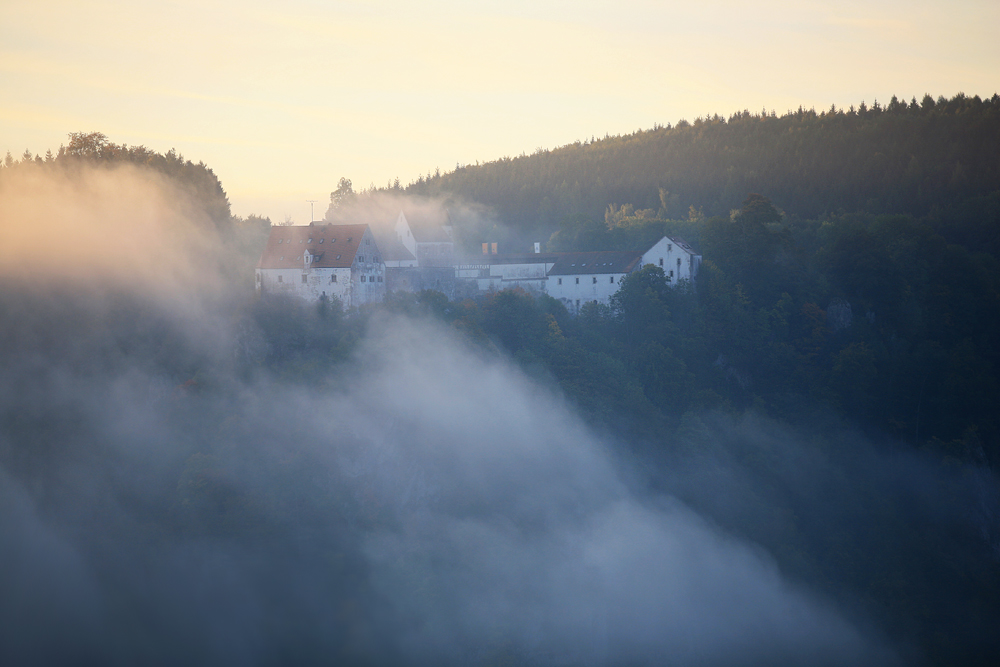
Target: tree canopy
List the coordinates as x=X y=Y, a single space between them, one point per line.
x=898 y=158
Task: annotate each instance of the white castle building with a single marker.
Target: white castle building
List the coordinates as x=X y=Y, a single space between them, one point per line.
x=325 y=260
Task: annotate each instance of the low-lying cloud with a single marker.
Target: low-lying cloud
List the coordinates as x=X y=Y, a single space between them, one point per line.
x=430 y=506
x=422 y=504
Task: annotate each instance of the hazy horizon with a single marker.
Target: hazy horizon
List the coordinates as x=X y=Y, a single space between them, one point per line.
x=281 y=103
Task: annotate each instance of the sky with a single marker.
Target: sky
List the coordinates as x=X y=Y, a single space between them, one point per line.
x=281 y=100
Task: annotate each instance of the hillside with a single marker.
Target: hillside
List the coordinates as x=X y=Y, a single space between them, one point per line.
x=903 y=157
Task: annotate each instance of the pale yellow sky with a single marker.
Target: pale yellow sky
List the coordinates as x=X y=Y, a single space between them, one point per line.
x=282 y=99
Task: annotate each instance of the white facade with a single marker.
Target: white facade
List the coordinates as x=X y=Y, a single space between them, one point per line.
x=498 y=272
x=306 y=283
x=404 y=234
x=581 y=277
x=367 y=273
x=678 y=260
x=430 y=243
x=576 y=291
x=311 y=262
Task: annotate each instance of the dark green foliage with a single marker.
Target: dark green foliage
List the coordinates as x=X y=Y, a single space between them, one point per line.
x=897 y=158
x=92 y=149
x=804 y=320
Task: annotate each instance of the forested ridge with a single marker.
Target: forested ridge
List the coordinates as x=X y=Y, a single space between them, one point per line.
x=93 y=149
x=898 y=158
x=826 y=389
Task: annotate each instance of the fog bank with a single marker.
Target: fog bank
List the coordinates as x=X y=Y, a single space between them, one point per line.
x=166 y=498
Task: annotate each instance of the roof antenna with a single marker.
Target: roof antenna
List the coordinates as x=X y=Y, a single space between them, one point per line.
x=312 y=218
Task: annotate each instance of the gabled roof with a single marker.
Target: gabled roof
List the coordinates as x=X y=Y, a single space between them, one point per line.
x=430 y=234
x=332 y=246
x=605 y=261
x=679 y=242
x=426 y=229
x=390 y=247
x=511 y=258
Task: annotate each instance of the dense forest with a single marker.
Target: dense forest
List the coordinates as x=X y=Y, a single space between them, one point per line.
x=825 y=391
x=93 y=149
x=914 y=158
x=195 y=186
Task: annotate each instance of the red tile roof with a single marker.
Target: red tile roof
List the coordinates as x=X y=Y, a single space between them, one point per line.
x=332 y=246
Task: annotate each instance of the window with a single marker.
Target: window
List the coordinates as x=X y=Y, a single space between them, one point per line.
x=380 y=278
x=338 y=256
x=669 y=247
x=333 y=240
x=310 y=240
x=560 y=281
x=577 y=281
x=333 y=278
x=280 y=279
x=362 y=278
x=612 y=279
x=595 y=280
x=348 y=239
x=305 y=279
x=321 y=240
x=661 y=261
x=300 y=240
x=279 y=240
x=671 y=274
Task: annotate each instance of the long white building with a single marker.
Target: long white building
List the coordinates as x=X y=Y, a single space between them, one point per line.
x=579 y=277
